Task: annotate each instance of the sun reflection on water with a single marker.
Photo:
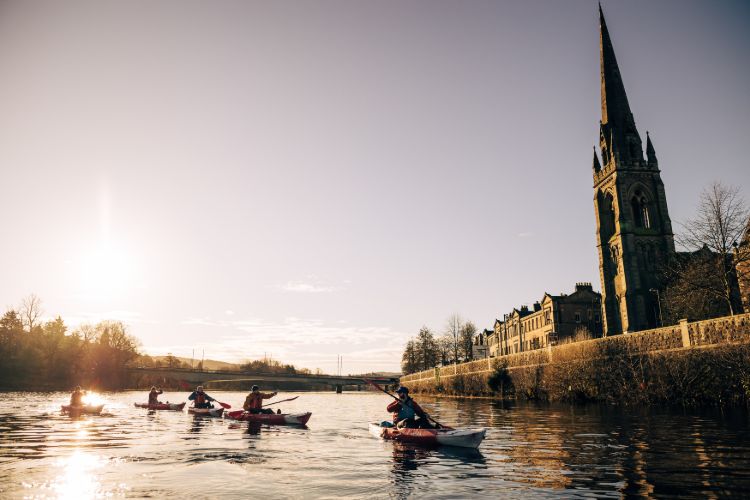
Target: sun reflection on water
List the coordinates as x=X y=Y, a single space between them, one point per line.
x=78 y=475
x=93 y=399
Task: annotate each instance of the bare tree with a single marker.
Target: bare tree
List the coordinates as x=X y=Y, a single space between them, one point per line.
x=466 y=340
x=426 y=348
x=453 y=329
x=720 y=224
x=31 y=310
x=444 y=348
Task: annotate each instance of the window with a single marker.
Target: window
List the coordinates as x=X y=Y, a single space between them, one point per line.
x=639 y=206
x=597 y=319
x=547 y=318
x=578 y=317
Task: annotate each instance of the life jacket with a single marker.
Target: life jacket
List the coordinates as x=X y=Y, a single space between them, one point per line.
x=254 y=401
x=404 y=410
x=153 y=397
x=200 y=398
x=76 y=398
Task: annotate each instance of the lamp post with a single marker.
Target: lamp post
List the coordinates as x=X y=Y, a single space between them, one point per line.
x=658 y=301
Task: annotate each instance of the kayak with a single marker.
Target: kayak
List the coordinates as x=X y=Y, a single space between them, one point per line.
x=161 y=406
x=82 y=410
x=271 y=418
x=465 y=438
x=206 y=412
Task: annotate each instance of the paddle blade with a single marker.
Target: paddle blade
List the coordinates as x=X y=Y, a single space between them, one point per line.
x=224 y=405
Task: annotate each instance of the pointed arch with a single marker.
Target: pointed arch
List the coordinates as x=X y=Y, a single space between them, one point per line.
x=607 y=214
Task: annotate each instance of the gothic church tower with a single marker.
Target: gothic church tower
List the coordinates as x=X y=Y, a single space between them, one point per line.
x=633 y=229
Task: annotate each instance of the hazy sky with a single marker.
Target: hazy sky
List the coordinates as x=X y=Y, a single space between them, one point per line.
x=319 y=178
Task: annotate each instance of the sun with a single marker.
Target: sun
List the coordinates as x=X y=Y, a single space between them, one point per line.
x=107 y=270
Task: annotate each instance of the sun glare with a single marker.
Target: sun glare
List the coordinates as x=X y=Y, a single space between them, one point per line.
x=107 y=271
x=78 y=478
x=92 y=398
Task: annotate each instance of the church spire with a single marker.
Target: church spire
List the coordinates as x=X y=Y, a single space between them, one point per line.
x=617 y=120
x=615 y=107
x=597 y=167
x=650 y=151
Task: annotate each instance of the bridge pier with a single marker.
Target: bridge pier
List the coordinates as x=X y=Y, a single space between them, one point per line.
x=339 y=388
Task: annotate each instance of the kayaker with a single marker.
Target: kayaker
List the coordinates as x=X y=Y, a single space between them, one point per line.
x=406 y=410
x=153 y=396
x=254 y=401
x=76 y=398
x=200 y=399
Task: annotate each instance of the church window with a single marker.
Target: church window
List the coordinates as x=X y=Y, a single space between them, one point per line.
x=578 y=317
x=639 y=205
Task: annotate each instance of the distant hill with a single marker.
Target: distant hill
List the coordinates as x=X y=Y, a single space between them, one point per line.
x=208 y=364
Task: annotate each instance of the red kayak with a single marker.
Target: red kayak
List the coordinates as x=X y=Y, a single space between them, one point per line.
x=161 y=406
x=271 y=418
x=81 y=410
x=465 y=438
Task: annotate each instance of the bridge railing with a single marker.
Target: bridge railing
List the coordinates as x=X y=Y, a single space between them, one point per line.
x=262 y=374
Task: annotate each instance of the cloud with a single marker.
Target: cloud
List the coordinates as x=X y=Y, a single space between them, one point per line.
x=302 y=287
x=312 y=284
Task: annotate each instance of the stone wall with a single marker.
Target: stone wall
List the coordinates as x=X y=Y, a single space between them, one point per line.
x=684 y=361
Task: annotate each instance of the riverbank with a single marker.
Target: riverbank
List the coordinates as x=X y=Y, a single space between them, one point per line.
x=694 y=364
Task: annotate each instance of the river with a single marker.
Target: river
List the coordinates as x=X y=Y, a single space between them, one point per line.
x=530 y=450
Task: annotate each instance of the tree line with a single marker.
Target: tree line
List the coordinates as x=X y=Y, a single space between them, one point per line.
x=427 y=350
x=46 y=355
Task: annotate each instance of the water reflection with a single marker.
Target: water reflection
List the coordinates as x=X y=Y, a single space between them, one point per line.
x=77 y=477
x=530 y=450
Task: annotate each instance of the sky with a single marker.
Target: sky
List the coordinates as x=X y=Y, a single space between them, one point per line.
x=313 y=179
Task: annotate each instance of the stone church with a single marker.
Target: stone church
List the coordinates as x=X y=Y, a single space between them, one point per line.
x=633 y=229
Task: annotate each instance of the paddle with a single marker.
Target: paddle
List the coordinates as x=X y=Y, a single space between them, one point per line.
x=282 y=401
x=376 y=386
x=224 y=405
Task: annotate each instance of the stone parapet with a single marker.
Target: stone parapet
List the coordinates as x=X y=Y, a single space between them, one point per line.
x=729 y=329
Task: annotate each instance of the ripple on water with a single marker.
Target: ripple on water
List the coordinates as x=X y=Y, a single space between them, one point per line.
x=530 y=450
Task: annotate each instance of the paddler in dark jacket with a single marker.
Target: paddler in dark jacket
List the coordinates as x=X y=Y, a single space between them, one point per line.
x=76 y=398
x=406 y=410
x=201 y=399
x=153 y=396
x=254 y=401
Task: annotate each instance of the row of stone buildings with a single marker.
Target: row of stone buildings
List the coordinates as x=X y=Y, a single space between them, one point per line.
x=551 y=320
x=634 y=238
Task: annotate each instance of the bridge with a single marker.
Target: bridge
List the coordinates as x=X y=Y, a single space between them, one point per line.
x=205 y=377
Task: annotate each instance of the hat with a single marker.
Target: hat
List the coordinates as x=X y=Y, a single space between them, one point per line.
x=402 y=389
x=199 y=388
x=255 y=388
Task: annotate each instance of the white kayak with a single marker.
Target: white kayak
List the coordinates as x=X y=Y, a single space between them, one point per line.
x=206 y=412
x=446 y=436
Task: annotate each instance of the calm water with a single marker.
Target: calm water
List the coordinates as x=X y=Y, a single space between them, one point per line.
x=544 y=451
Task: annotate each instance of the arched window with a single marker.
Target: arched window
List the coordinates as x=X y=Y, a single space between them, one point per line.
x=639 y=206
x=606 y=216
